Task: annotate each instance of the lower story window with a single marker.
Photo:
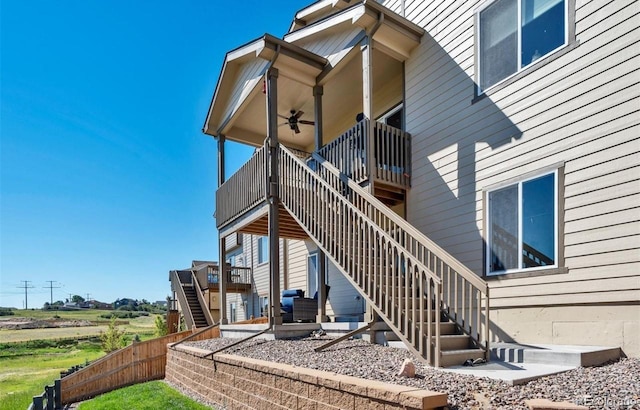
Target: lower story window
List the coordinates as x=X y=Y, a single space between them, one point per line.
x=522 y=225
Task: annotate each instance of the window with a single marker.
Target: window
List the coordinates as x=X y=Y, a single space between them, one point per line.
x=233 y=313
x=522 y=225
x=515 y=33
x=264 y=305
x=393 y=117
x=263 y=249
x=312 y=273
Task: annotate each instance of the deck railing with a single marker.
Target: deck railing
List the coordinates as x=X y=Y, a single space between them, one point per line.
x=235 y=275
x=398 y=286
x=465 y=296
x=178 y=278
x=391 y=151
x=243 y=190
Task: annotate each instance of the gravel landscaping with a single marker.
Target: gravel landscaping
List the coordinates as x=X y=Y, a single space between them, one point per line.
x=612 y=386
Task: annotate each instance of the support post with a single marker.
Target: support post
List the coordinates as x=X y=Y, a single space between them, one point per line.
x=222 y=242
x=273 y=197
x=367 y=102
x=57 y=384
x=366 y=48
x=321 y=267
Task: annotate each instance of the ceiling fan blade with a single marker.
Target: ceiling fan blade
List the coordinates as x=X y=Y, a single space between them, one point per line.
x=282 y=116
x=306 y=122
x=299 y=114
x=296 y=129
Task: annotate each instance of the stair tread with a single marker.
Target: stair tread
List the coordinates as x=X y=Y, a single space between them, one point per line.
x=460 y=351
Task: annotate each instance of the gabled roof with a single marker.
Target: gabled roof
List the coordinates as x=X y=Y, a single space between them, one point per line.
x=313 y=54
x=293 y=61
x=316 y=11
x=397 y=35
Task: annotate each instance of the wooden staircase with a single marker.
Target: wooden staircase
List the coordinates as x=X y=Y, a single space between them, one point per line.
x=431 y=302
x=192 y=303
x=199 y=319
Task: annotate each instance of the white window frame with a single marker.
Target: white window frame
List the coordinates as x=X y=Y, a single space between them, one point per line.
x=233 y=312
x=312 y=277
x=519 y=35
x=556 y=207
x=262 y=259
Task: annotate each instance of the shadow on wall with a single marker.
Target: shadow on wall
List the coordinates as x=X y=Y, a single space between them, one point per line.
x=453 y=133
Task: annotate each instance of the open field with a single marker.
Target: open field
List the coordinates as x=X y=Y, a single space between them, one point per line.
x=142 y=326
x=27 y=364
x=25 y=372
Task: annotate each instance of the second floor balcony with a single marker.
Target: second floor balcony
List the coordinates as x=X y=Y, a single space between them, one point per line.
x=377 y=155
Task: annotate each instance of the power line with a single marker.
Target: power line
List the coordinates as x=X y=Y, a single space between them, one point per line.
x=51 y=288
x=26 y=286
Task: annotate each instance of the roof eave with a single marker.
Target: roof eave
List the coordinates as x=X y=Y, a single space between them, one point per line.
x=279 y=54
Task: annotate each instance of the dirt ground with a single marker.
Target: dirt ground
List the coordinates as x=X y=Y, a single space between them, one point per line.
x=20 y=323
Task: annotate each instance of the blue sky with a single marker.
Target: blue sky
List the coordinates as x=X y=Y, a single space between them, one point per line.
x=107 y=181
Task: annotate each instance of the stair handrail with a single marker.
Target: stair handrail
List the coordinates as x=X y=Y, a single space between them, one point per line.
x=420 y=246
x=176 y=284
x=203 y=304
x=407 y=264
x=401 y=223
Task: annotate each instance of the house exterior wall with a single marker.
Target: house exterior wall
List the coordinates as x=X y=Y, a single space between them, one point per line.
x=576 y=110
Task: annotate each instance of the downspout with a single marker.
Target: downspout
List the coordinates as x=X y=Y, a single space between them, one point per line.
x=285 y=263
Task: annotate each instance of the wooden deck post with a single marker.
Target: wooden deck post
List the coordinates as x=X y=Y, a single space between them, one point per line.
x=321 y=265
x=275 y=318
x=367 y=105
x=222 y=241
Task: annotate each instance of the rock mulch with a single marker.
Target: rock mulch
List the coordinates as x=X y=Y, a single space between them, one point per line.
x=613 y=386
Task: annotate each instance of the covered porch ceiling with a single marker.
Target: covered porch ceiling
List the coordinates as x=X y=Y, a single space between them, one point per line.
x=238 y=108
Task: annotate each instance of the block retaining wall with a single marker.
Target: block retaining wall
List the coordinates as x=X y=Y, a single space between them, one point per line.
x=236 y=382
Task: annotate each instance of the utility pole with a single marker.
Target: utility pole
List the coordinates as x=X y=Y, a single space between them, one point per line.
x=88 y=297
x=51 y=288
x=26 y=286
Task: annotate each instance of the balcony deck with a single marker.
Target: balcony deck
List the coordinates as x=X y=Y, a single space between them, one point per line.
x=239 y=279
x=382 y=162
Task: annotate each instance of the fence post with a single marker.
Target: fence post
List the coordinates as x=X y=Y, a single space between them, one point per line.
x=57 y=385
x=37 y=403
x=49 y=394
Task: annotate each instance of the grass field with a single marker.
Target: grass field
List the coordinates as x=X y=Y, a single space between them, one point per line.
x=145 y=396
x=27 y=363
x=142 y=326
x=25 y=371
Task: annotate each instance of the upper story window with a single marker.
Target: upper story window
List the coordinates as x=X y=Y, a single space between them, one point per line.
x=522 y=221
x=515 y=33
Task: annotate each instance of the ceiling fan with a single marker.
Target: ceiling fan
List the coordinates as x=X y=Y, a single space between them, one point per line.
x=294 y=119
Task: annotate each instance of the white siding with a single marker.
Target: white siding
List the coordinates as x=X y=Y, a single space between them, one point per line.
x=342 y=295
x=579 y=109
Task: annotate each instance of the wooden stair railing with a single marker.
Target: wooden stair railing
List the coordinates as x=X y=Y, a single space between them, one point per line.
x=195 y=312
x=176 y=285
x=385 y=273
x=465 y=296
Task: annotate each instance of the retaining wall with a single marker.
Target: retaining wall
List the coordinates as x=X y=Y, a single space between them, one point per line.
x=236 y=382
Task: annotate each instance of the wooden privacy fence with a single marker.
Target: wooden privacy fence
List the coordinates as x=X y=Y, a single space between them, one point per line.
x=137 y=363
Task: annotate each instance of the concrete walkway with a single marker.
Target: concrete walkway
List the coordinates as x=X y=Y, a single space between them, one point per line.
x=518 y=364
